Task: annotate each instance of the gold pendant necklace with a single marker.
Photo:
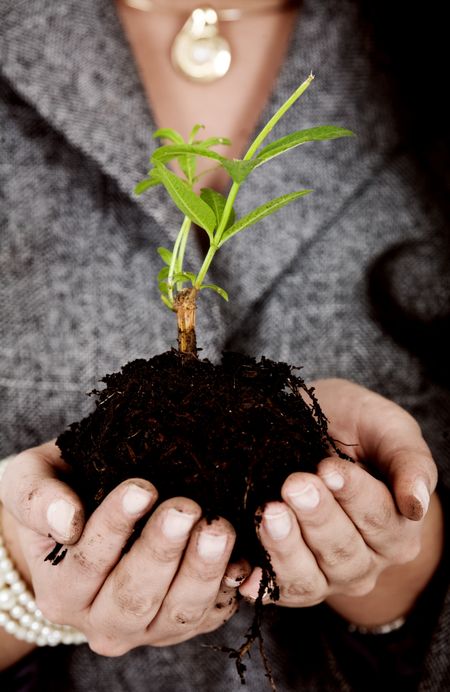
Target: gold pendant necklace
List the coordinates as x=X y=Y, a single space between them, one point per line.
x=199 y=52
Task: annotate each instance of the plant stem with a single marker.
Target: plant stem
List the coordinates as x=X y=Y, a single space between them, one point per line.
x=173 y=268
x=259 y=139
x=184 y=232
x=185 y=307
x=205 y=266
x=278 y=115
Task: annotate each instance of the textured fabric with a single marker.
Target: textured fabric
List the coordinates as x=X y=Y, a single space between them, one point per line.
x=78 y=262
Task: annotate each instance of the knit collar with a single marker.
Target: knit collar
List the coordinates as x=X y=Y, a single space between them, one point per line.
x=71 y=61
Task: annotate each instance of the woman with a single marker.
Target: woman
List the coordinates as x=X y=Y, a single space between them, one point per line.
x=78 y=252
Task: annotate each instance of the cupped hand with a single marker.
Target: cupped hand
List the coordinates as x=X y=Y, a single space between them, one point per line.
x=343 y=533
x=174 y=583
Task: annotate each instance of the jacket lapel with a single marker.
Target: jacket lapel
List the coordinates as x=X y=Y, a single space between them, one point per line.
x=72 y=62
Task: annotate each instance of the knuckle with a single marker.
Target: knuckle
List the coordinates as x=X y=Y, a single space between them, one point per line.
x=204 y=573
x=356 y=572
x=133 y=604
x=106 y=646
x=187 y=618
x=26 y=497
x=116 y=523
x=378 y=518
x=158 y=552
x=129 y=602
x=361 y=587
x=336 y=555
x=301 y=592
x=407 y=552
x=88 y=566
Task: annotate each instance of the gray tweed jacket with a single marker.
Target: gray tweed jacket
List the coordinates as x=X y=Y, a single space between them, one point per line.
x=78 y=260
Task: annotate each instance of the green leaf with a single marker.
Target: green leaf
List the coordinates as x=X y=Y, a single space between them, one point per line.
x=144 y=185
x=268 y=127
x=213 y=141
x=165 y=254
x=166 y=301
x=187 y=201
x=183 y=276
x=187 y=165
x=168 y=133
x=260 y=212
x=174 y=151
x=194 y=131
x=191 y=276
x=294 y=139
x=163 y=287
x=216 y=201
x=163 y=274
x=217 y=289
x=236 y=168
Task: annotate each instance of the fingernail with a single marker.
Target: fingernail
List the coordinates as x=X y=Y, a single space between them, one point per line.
x=307 y=498
x=232 y=583
x=176 y=524
x=211 y=546
x=333 y=480
x=135 y=499
x=422 y=494
x=253 y=595
x=278 y=524
x=60 y=514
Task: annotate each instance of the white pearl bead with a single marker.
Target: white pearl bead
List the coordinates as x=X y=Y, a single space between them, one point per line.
x=24 y=598
x=45 y=631
x=54 y=638
x=12 y=576
x=38 y=614
x=17 y=612
x=21 y=633
x=11 y=627
x=18 y=587
x=36 y=627
x=26 y=620
x=31 y=606
x=3 y=619
x=7 y=599
x=30 y=636
x=5 y=565
x=41 y=641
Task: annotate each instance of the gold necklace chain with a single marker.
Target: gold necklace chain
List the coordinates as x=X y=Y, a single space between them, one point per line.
x=199 y=52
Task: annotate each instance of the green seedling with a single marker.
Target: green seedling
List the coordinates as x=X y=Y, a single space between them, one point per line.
x=212 y=211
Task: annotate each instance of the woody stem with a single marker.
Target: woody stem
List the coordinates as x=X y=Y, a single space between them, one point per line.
x=185 y=308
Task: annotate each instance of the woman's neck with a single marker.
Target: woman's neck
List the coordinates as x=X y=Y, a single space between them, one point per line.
x=229 y=107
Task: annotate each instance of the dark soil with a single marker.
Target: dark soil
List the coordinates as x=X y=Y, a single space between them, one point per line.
x=225 y=435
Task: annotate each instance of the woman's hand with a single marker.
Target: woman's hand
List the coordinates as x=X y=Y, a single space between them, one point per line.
x=342 y=536
x=169 y=587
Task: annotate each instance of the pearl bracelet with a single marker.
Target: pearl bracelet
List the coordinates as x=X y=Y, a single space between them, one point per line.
x=387 y=628
x=19 y=614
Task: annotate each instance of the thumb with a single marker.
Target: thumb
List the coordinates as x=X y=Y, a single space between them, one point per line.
x=413 y=480
x=391 y=439
x=32 y=492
